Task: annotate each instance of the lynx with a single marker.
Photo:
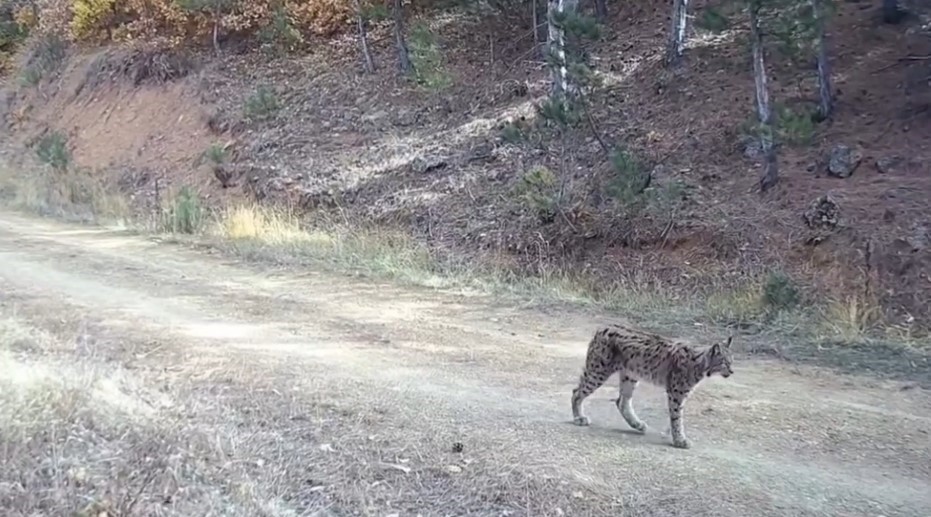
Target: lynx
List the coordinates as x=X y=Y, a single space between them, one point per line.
x=638 y=355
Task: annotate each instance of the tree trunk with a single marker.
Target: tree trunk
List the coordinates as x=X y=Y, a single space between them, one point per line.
x=892 y=12
x=404 y=57
x=539 y=40
x=216 y=32
x=825 y=96
x=770 y=164
x=556 y=46
x=676 y=44
x=367 y=60
x=601 y=9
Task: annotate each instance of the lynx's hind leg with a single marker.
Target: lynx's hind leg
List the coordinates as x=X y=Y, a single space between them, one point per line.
x=625 y=405
x=592 y=379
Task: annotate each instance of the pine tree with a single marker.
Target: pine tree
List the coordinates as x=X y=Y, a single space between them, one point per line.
x=676 y=44
x=404 y=56
x=764 y=111
x=361 y=22
x=215 y=9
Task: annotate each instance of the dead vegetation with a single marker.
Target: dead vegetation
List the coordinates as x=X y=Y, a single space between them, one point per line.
x=466 y=178
x=41 y=57
x=140 y=65
x=67 y=193
x=95 y=424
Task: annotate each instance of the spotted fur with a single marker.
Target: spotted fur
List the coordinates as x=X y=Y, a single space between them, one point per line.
x=638 y=355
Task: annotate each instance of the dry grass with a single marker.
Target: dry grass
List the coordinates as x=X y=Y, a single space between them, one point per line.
x=71 y=195
x=84 y=435
x=850 y=320
x=264 y=234
x=742 y=306
x=268 y=235
x=253 y=222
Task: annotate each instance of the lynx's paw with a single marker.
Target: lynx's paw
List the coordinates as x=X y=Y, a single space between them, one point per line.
x=582 y=421
x=681 y=443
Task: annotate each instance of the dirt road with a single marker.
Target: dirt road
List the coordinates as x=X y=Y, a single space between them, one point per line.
x=345 y=397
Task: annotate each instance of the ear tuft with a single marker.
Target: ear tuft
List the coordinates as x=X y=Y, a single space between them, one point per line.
x=729 y=339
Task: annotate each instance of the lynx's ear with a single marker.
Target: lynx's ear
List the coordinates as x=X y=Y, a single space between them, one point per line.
x=715 y=349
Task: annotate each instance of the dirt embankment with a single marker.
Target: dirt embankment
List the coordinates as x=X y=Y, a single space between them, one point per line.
x=192 y=385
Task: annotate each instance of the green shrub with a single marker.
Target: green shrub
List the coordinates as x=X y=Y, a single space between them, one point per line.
x=30 y=76
x=185 y=213
x=512 y=133
x=629 y=177
x=561 y=114
x=215 y=154
x=52 y=149
x=11 y=34
x=429 y=63
x=45 y=56
x=279 y=33
x=794 y=128
x=713 y=20
x=262 y=104
x=780 y=292
x=538 y=191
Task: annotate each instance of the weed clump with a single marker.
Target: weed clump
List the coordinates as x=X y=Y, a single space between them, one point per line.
x=262 y=104
x=185 y=213
x=629 y=177
x=52 y=149
x=429 y=64
x=780 y=293
x=44 y=57
x=538 y=192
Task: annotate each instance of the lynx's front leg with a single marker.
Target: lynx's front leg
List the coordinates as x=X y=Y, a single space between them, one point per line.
x=676 y=428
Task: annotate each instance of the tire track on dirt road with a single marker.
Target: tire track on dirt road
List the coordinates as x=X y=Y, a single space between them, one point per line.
x=766 y=442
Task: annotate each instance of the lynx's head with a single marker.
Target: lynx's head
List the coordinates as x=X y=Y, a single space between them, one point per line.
x=718 y=359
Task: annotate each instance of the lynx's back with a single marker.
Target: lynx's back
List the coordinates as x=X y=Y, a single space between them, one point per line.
x=639 y=355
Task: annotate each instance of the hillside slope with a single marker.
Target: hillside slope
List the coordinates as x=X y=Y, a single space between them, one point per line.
x=313 y=131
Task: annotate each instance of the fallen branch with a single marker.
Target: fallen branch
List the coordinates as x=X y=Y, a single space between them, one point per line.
x=901 y=60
